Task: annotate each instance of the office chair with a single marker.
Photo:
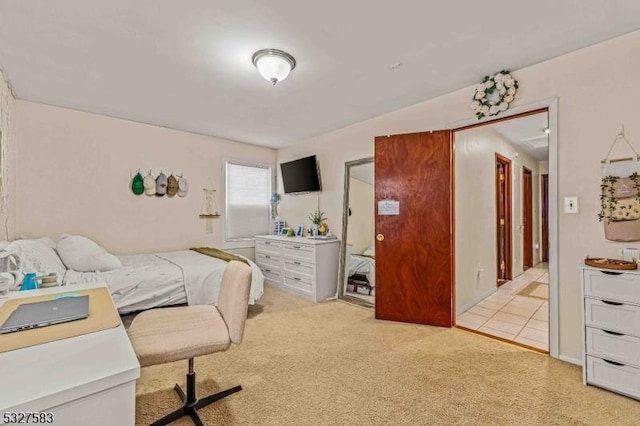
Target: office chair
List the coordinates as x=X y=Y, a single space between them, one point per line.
x=165 y=335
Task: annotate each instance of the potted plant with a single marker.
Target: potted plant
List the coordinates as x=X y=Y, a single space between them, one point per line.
x=318 y=218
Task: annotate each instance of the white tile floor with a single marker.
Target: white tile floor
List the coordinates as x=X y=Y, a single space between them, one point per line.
x=507 y=315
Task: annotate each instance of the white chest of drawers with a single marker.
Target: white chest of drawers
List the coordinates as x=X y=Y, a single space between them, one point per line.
x=306 y=267
x=611 y=329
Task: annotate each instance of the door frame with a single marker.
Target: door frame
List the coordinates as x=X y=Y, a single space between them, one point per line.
x=345 y=221
x=505 y=203
x=551 y=105
x=544 y=217
x=527 y=212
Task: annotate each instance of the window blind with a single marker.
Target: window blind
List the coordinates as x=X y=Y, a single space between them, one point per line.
x=248 y=190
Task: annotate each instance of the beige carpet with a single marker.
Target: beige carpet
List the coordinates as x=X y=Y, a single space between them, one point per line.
x=535 y=289
x=332 y=363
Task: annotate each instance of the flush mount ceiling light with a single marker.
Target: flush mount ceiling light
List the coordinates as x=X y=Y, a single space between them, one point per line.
x=273 y=64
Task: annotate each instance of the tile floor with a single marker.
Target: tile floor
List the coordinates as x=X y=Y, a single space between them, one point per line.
x=510 y=316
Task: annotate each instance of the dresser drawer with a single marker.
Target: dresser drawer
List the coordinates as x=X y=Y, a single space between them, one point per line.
x=268 y=260
x=613 y=346
x=297 y=250
x=618 y=378
x=298 y=266
x=273 y=276
x=269 y=247
x=613 y=316
x=612 y=285
x=299 y=282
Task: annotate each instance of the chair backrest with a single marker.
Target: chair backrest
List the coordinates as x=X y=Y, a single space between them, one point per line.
x=233 y=299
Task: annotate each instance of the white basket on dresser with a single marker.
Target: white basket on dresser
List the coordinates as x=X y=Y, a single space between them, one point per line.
x=306 y=267
x=611 y=329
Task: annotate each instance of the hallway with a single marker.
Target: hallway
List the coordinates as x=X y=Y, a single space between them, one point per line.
x=518 y=311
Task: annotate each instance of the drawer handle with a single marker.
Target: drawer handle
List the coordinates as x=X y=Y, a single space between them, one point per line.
x=613 y=332
x=296 y=247
x=612 y=303
x=611 y=273
x=613 y=362
x=267 y=242
x=296 y=278
x=296 y=263
x=267 y=270
x=267 y=257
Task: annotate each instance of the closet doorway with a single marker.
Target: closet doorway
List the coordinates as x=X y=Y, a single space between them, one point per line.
x=357 y=258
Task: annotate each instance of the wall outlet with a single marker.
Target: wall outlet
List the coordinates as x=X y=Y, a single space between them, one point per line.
x=571 y=205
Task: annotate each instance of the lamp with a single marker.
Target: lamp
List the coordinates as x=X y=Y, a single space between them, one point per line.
x=273 y=64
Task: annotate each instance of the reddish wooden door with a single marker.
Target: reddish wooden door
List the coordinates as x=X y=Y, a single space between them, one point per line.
x=527 y=218
x=544 y=190
x=503 y=219
x=414 y=248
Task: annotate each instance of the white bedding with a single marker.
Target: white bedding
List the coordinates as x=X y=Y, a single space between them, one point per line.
x=363 y=265
x=151 y=280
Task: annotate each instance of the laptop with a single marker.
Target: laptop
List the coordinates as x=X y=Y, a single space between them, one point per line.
x=39 y=314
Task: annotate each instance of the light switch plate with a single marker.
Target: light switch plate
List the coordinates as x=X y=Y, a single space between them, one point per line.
x=571 y=205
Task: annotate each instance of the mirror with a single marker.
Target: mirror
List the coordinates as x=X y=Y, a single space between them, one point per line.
x=357 y=260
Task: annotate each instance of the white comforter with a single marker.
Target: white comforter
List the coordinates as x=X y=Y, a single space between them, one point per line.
x=150 y=280
x=363 y=265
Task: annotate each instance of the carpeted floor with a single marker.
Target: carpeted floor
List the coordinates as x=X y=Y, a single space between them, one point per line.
x=332 y=363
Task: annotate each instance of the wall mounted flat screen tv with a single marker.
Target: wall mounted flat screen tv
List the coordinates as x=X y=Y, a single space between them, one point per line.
x=302 y=175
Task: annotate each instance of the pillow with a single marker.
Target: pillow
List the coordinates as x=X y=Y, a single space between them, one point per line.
x=36 y=256
x=84 y=255
x=45 y=240
x=371 y=251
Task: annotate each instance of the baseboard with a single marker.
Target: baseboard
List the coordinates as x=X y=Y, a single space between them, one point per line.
x=461 y=309
x=570 y=360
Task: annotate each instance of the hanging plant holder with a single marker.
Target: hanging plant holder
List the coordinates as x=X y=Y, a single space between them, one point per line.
x=620 y=195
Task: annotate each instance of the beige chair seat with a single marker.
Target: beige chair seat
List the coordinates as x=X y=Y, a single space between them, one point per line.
x=171 y=334
x=158 y=336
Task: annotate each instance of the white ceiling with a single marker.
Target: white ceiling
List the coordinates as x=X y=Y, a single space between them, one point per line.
x=528 y=133
x=186 y=64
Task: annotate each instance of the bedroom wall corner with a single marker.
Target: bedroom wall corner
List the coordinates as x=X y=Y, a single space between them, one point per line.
x=8 y=147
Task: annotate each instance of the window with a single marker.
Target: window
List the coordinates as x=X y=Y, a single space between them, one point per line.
x=247 y=194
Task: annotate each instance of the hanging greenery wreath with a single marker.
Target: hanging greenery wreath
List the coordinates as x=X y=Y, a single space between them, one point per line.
x=494 y=94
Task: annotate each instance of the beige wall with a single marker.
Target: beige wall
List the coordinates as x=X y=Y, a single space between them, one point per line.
x=360 y=225
x=597 y=91
x=476 y=273
x=74 y=175
x=7 y=160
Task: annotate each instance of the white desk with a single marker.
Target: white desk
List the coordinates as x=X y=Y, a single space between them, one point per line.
x=83 y=380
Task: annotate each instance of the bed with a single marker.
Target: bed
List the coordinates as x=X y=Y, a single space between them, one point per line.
x=136 y=282
x=362 y=268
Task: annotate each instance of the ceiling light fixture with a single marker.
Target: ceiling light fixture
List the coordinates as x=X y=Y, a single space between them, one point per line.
x=273 y=64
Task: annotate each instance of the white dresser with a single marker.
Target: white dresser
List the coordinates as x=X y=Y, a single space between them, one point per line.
x=303 y=266
x=611 y=329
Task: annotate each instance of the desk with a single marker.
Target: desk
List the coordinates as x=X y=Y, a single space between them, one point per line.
x=88 y=379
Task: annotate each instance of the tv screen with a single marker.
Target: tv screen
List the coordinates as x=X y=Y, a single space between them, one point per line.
x=300 y=175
